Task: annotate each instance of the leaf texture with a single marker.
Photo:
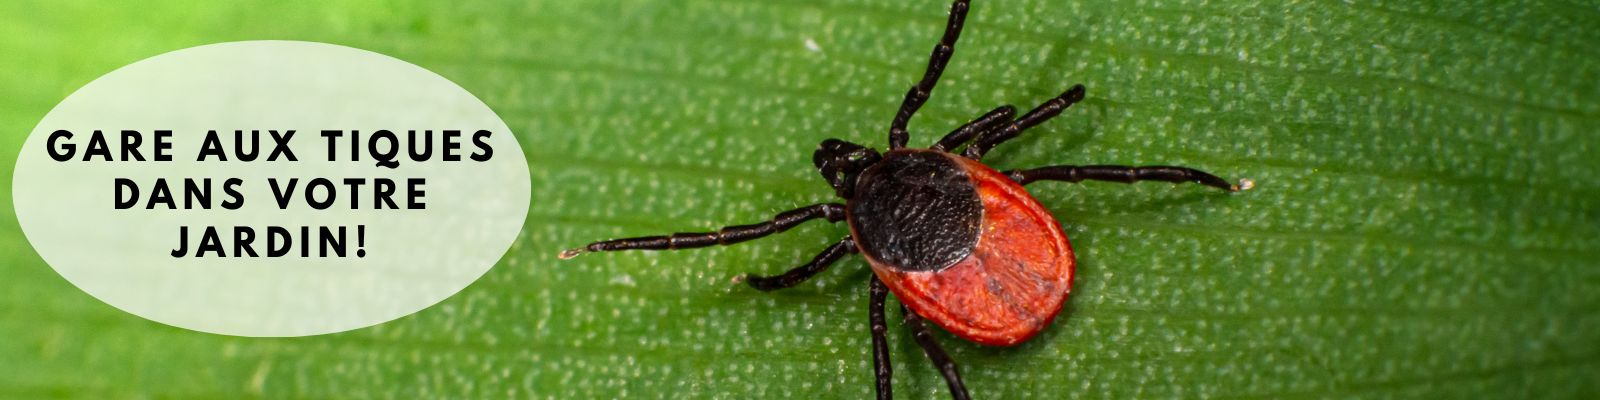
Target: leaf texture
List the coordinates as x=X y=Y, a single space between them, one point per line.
x=1426 y=221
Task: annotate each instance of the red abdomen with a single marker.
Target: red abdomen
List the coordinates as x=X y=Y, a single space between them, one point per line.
x=1014 y=282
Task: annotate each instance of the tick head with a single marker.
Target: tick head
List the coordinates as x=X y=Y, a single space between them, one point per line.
x=839 y=162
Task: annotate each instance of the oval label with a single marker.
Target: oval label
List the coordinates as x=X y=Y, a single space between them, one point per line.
x=271 y=188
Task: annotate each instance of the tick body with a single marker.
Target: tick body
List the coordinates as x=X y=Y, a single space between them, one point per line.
x=957 y=242
x=962 y=245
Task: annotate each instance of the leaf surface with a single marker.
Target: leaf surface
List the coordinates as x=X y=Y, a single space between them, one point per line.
x=1426 y=221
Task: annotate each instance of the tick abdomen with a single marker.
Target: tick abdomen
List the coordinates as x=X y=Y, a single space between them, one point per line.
x=1009 y=283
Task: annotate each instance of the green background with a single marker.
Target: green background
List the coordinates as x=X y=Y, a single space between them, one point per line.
x=1425 y=224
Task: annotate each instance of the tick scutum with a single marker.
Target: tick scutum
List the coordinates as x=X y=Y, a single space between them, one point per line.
x=917 y=210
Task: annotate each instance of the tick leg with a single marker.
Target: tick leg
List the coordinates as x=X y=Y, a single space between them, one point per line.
x=803 y=272
x=947 y=366
x=919 y=93
x=1118 y=173
x=834 y=212
x=1038 y=115
x=880 y=339
x=988 y=121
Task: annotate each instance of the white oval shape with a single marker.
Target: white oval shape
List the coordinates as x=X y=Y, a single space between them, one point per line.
x=404 y=260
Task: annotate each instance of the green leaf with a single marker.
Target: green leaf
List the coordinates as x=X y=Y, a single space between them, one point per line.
x=1426 y=221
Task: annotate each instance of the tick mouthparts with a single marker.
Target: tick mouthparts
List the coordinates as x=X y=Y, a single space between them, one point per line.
x=568 y=254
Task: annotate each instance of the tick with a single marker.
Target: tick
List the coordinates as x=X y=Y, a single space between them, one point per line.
x=957 y=242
